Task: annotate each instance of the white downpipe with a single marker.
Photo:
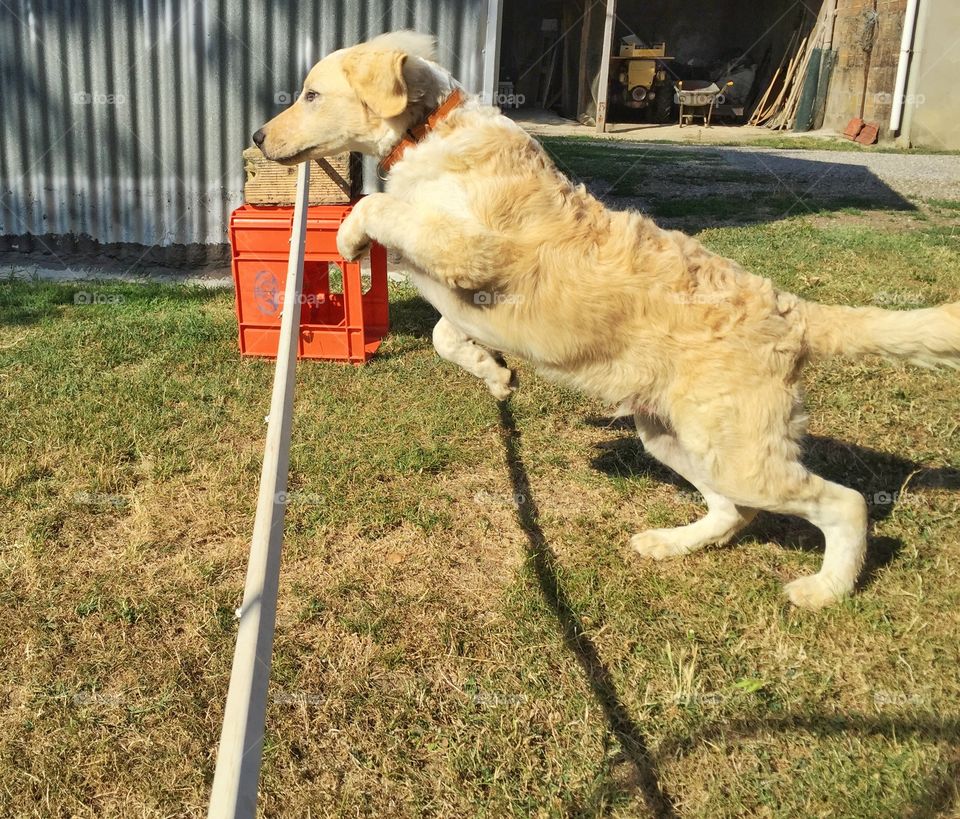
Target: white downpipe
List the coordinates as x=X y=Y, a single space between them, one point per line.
x=900 y=85
x=234 y=794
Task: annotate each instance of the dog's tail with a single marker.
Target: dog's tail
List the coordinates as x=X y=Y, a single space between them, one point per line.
x=928 y=337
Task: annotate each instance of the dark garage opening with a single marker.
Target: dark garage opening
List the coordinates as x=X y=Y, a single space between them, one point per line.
x=551 y=53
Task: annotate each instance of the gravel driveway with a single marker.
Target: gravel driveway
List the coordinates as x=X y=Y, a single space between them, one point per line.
x=927 y=176
x=855 y=173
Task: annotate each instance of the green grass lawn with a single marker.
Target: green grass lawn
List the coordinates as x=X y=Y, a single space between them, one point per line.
x=461 y=630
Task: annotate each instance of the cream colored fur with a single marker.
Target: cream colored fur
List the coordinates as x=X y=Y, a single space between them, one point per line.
x=519 y=260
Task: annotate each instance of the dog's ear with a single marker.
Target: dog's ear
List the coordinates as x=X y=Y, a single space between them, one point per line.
x=377 y=78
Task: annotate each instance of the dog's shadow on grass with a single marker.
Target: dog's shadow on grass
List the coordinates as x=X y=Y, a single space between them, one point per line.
x=543 y=562
x=879 y=476
x=412 y=316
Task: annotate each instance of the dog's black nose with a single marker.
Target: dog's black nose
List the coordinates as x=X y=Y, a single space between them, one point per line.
x=259 y=137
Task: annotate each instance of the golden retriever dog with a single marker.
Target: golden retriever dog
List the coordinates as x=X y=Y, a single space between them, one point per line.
x=518 y=260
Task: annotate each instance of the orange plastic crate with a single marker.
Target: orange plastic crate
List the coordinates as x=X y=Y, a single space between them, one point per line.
x=338 y=325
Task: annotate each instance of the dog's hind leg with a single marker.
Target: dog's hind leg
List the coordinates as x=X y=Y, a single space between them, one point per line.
x=723 y=519
x=841 y=514
x=760 y=469
x=454 y=345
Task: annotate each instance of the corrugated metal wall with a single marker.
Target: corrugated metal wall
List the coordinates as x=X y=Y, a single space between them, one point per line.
x=124 y=121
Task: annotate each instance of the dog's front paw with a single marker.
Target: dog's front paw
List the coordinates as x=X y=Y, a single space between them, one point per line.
x=658 y=544
x=352 y=237
x=816 y=591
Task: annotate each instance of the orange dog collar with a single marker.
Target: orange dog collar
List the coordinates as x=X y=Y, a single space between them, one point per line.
x=417 y=133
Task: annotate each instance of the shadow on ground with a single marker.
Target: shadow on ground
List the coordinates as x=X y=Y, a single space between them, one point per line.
x=940 y=793
x=543 y=561
x=413 y=316
x=698 y=187
x=26 y=302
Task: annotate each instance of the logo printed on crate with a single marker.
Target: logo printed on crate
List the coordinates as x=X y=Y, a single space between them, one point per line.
x=266 y=293
x=268 y=296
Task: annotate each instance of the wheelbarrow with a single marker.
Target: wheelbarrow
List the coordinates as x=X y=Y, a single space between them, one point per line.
x=697 y=98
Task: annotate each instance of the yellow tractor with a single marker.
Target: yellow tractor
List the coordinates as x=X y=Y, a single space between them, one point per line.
x=641 y=76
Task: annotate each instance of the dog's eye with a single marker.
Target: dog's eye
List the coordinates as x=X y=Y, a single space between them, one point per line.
x=310 y=96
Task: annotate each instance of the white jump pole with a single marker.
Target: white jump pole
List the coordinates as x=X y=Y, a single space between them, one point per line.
x=237 y=775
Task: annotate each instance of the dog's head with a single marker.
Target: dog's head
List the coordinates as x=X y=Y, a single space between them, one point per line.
x=355 y=99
